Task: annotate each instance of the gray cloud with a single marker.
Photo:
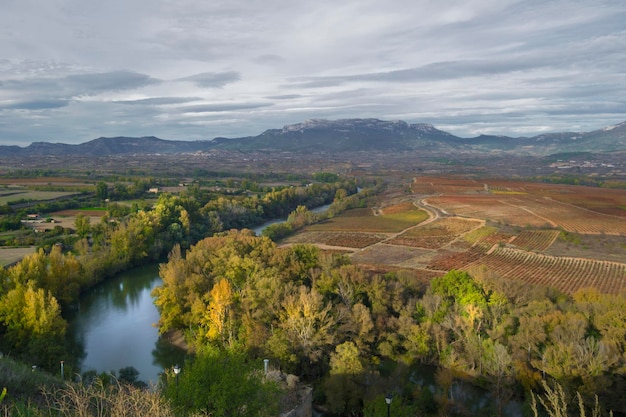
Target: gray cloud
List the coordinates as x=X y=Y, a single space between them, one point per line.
x=108 y=81
x=78 y=84
x=269 y=59
x=285 y=96
x=215 y=108
x=159 y=101
x=431 y=72
x=196 y=69
x=36 y=105
x=213 y=79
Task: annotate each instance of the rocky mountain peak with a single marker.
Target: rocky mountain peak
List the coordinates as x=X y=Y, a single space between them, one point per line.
x=346 y=124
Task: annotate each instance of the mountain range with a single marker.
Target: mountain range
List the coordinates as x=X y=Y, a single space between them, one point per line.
x=345 y=135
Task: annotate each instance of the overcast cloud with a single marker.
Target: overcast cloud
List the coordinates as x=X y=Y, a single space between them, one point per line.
x=74 y=70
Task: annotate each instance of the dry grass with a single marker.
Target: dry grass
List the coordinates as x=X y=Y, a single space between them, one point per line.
x=11 y=255
x=387 y=255
x=97 y=400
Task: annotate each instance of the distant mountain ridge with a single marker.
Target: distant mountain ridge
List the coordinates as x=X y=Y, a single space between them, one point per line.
x=345 y=135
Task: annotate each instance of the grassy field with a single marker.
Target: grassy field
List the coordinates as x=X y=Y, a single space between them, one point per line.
x=11 y=197
x=369 y=220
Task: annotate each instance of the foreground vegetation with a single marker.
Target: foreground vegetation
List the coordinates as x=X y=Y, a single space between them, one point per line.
x=234 y=389
x=362 y=334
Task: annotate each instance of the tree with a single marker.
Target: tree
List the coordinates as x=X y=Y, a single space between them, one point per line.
x=218 y=319
x=82 y=225
x=32 y=324
x=102 y=190
x=497 y=362
x=459 y=287
x=181 y=290
x=64 y=276
x=130 y=375
x=224 y=384
x=307 y=321
x=344 y=385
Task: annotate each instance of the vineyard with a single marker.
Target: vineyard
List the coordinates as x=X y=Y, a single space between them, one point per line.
x=27 y=195
x=356 y=240
x=436 y=234
x=489 y=207
x=531 y=211
x=566 y=274
x=390 y=255
x=535 y=240
x=447 y=260
x=567 y=237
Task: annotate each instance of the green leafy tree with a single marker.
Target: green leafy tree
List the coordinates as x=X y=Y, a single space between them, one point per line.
x=31 y=321
x=182 y=288
x=82 y=225
x=344 y=386
x=459 y=287
x=223 y=384
x=102 y=190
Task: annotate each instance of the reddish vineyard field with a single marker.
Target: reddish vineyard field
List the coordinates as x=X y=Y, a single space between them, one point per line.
x=355 y=240
x=448 y=260
x=565 y=274
x=513 y=228
x=531 y=211
x=445 y=185
x=535 y=239
x=436 y=234
x=577 y=209
x=447 y=226
x=489 y=207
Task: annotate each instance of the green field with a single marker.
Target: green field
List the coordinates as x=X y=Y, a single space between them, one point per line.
x=365 y=220
x=11 y=197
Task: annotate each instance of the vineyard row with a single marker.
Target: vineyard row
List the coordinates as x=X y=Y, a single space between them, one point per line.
x=563 y=273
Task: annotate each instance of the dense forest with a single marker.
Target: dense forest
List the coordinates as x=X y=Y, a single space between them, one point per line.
x=355 y=335
x=362 y=334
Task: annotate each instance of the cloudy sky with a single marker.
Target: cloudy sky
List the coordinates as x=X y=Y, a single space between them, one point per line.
x=75 y=70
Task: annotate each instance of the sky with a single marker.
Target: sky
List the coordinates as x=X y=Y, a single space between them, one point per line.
x=76 y=70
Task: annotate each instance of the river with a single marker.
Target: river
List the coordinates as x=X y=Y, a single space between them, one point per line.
x=113 y=327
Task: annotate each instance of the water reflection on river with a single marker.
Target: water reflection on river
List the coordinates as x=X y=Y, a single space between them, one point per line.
x=114 y=326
